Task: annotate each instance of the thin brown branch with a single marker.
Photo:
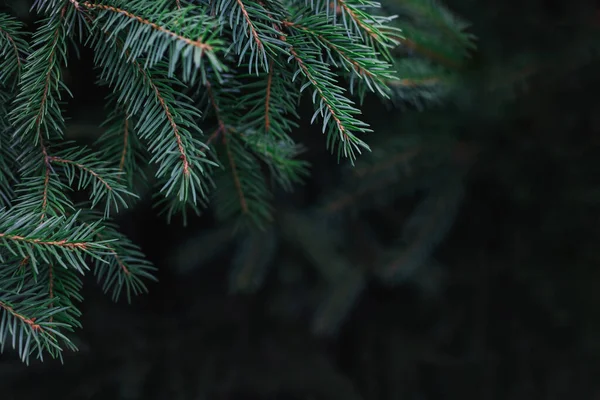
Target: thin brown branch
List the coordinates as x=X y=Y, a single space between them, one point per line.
x=59 y=243
x=46 y=184
x=222 y=130
x=312 y=80
x=76 y=4
x=249 y=21
x=174 y=127
x=38 y=120
x=268 y=97
x=83 y=168
x=356 y=19
x=360 y=70
x=15 y=48
x=125 y=144
x=28 y=321
x=169 y=115
x=103 y=7
x=51 y=288
x=215 y=106
x=112 y=251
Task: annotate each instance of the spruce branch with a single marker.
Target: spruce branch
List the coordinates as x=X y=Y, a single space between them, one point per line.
x=36 y=114
x=337 y=111
x=249 y=60
x=362 y=60
x=270 y=102
x=121 y=145
x=281 y=157
x=253 y=30
x=123 y=268
x=44 y=195
x=13 y=49
x=60 y=240
x=105 y=182
x=153 y=30
x=271 y=105
x=358 y=17
x=242 y=192
x=170 y=136
x=35 y=310
x=246 y=195
x=64 y=289
x=8 y=157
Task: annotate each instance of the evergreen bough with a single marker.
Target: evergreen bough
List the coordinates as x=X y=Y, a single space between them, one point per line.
x=208 y=91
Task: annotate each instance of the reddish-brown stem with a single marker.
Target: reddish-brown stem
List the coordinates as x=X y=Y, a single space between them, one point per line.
x=15 y=48
x=28 y=321
x=83 y=168
x=60 y=243
x=125 y=144
x=195 y=43
x=249 y=22
x=268 y=97
x=222 y=130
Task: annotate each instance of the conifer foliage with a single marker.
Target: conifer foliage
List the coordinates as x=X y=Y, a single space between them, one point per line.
x=207 y=91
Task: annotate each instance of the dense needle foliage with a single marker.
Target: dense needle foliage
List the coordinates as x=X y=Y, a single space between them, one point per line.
x=207 y=93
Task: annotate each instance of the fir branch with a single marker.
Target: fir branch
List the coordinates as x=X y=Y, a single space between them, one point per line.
x=253 y=30
x=8 y=157
x=123 y=268
x=242 y=192
x=36 y=113
x=150 y=53
x=353 y=55
x=13 y=48
x=337 y=111
x=28 y=315
x=281 y=157
x=359 y=19
x=43 y=196
x=121 y=145
x=269 y=101
x=244 y=195
x=57 y=240
x=64 y=287
x=105 y=182
x=181 y=157
x=152 y=30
